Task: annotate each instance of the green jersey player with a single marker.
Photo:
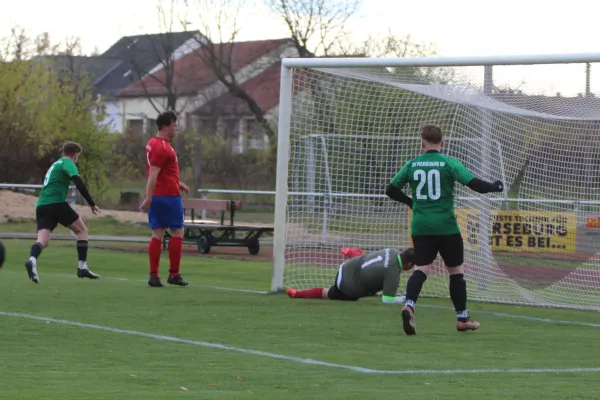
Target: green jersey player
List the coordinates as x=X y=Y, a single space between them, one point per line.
x=434 y=228
x=364 y=275
x=52 y=209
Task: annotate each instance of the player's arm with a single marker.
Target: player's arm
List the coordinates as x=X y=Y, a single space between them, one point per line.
x=83 y=190
x=465 y=177
x=73 y=173
x=183 y=187
x=151 y=184
x=481 y=186
x=394 y=189
x=391 y=281
x=156 y=158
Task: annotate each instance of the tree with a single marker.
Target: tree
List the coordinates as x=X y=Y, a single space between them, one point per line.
x=219 y=24
x=317 y=27
x=220 y=29
x=38 y=112
x=152 y=60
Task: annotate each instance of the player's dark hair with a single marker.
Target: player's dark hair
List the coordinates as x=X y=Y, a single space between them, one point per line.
x=71 y=149
x=166 y=119
x=408 y=255
x=431 y=133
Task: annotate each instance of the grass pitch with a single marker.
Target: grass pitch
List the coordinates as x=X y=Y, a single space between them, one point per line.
x=204 y=341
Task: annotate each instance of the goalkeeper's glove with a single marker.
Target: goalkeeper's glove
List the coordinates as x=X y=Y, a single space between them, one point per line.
x=499 y=186
x=393 y=300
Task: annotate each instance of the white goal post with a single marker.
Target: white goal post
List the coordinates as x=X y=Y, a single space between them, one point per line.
x=347 y=125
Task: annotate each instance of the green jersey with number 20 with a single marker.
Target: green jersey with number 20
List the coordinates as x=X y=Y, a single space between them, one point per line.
x=431 y=177
x=56 y=182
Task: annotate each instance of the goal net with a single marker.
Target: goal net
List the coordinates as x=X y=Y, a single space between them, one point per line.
x=348 y=131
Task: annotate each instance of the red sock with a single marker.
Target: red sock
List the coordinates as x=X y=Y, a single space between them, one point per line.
x=352 y=252
x=154 y=250
x=175 y=245
x=314 y=293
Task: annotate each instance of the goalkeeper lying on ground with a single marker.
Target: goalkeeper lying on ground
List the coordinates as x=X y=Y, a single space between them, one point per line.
x=364 y=275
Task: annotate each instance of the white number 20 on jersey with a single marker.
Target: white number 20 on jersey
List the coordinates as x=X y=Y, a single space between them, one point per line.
x=432 y=180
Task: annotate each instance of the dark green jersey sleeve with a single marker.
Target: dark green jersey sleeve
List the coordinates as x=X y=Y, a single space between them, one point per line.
x=70 y=168
x=460 y=173
x=401 y=178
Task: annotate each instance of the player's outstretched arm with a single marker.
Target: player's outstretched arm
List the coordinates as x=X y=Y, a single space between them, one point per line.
x=462 y=175
x=84 y=192
x=393 y=299
x=391 y=281
x=406 y=262
x=481 y=186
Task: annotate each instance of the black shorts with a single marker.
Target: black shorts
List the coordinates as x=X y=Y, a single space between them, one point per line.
x=450 y=247
x=50 y=215
x=335 y=293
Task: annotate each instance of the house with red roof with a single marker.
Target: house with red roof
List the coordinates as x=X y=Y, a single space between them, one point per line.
x=124 y=63
x=202 y=101
x=230 y=117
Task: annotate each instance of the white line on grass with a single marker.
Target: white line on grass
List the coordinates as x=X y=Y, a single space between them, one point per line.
x=516 y=316
x=497 y=314
x=300 y=360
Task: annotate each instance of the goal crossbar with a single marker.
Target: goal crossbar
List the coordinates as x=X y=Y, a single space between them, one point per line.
x=355 y=62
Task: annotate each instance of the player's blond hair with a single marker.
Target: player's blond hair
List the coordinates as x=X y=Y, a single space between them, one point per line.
x=431 y=133
x=70 y=148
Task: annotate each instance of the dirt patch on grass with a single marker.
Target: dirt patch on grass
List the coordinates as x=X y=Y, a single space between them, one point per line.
x=20 y=206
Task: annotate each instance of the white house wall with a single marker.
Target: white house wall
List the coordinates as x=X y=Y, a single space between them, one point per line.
x=141 y=108
x=113 y=119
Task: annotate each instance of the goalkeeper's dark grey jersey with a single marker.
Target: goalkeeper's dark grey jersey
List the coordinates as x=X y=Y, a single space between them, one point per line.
x=366 y=275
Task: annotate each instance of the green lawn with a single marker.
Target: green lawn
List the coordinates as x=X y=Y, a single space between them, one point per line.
x=44 y=359
x=106 y=226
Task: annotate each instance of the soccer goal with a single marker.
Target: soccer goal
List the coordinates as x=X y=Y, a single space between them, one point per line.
x=347 y=125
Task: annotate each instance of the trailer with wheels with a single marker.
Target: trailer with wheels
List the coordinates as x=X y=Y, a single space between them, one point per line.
x=209 y=234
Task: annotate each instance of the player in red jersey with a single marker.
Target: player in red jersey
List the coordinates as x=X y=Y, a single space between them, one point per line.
x=163 y=199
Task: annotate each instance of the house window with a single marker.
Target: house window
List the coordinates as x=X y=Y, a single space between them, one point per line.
x=135 y=126
x=255 y=135
x=232 y=128
x=206 y=125
x=101 y=109
x=254 y=128
x=151 y=127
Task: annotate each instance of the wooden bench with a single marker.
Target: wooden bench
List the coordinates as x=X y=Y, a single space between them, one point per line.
x=207 y=234
x=223 y=206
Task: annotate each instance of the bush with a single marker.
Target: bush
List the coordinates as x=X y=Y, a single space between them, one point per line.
x=38 y=112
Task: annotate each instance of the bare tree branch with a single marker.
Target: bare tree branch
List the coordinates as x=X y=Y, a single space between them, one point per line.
x=162 y=53
x=19 y=43
x=388 y=45
x=316 y=26
x=217 y=49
